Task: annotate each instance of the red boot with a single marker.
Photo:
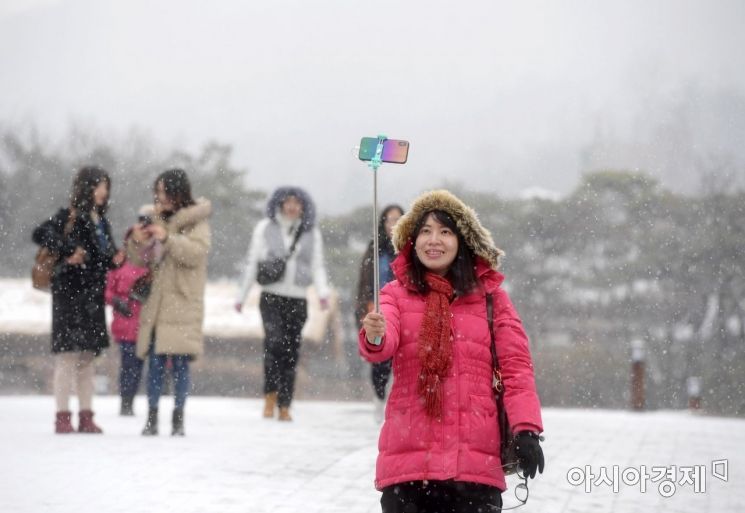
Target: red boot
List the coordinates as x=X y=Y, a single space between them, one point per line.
x=86 y=424
x=62 y=423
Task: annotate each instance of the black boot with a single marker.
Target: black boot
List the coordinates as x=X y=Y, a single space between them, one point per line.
x=178 y=422
x=151 y=426
x=127 y=409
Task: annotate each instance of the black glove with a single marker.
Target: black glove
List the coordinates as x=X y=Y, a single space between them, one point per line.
x=120 y=305
x=529 y=453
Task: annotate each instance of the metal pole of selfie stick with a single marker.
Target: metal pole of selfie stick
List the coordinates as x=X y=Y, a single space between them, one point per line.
x=375 y=163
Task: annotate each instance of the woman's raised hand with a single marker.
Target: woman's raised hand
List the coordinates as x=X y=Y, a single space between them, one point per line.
x=119 y=257
x=374 y=324
x=76 y=258
x=159 y=232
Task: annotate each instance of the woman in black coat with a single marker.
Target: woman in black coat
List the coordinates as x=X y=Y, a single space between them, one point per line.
x=81 y=235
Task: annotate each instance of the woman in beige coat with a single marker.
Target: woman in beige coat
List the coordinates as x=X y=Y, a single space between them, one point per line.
x=175 y=248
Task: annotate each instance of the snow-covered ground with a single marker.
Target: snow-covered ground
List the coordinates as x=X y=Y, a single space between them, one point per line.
x=234 y=461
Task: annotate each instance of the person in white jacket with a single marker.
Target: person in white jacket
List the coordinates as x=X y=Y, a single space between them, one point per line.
x=290 y=218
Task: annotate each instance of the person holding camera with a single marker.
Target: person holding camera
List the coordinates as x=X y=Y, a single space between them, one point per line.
x=122 y=286
x=81 y=236
x=174 y=247
x=439 y=447
x=379 y=372
x=285 y=256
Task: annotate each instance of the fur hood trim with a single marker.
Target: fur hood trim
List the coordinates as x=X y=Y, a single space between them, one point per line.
x=191 y=215
x=476 y=236
x=308 y=218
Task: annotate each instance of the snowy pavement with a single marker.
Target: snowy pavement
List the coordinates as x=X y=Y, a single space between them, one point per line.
x=234 y=461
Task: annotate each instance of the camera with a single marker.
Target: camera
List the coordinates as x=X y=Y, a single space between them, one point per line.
x=141 y=288
x=145 y=220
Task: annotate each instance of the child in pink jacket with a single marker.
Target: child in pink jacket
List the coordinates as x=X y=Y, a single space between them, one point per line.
x=439 y=447
x=124 y=289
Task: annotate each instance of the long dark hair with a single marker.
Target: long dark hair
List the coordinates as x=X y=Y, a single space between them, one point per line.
x=176 y=186
x=86 y=180
x=461 y=274
x=385 y=245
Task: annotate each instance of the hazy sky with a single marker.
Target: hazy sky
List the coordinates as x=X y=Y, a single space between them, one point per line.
x=500 y=96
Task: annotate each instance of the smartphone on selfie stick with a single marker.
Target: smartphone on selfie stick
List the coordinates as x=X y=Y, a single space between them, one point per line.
x=377 y=150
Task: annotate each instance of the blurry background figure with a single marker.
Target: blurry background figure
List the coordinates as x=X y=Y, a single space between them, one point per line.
x=174 y=247
x=379 y=372
x=287 y=233
x=124 y=292
x=81 y=235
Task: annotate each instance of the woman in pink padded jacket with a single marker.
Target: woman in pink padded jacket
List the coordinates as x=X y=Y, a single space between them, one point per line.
x=439 y=444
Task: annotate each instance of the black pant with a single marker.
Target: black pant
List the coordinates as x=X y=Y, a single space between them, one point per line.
x=283 y=318
x=130 y=373
x=441 y=497
x=380 y=374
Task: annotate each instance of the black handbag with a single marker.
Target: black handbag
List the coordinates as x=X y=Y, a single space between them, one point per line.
x=507 y=452
x=272 y=270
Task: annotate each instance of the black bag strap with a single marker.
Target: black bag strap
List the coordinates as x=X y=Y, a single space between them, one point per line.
x=490 y=318
x=497 y=376
x=496 y=373
x=294 y=242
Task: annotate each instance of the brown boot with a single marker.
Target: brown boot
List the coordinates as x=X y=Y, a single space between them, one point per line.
x=284 y=414
x=86 y=424
x=270 y=402
x=63 y=423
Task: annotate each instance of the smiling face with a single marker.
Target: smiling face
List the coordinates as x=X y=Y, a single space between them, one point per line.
x=436 y=246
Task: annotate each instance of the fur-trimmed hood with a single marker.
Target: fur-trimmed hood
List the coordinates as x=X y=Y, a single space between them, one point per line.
x=308 y=218
x=476 y=236
x=191 y=215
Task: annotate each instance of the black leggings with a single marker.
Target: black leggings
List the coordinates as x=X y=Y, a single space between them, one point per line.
x=441 y=497
x=283 y=318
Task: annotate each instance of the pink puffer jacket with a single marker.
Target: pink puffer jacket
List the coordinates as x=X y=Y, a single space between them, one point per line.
x=464 y=444
x=119 y=283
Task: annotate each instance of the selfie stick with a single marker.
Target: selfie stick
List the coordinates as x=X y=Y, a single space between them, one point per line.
x=374 y=164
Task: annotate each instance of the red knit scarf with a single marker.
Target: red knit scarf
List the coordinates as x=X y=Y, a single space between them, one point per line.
x=435 y=345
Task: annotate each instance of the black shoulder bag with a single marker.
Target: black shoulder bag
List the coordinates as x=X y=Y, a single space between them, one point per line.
x=272 y=270
x=507 y=443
